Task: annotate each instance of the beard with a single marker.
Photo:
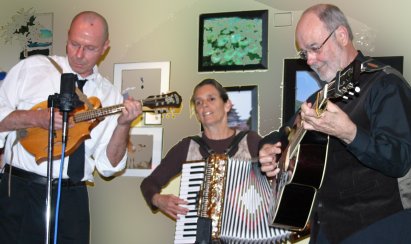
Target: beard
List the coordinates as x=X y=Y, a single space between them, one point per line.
x=325 y=72
x=328 y=69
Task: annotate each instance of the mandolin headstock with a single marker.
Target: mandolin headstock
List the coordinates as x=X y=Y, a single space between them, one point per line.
x=169 y=103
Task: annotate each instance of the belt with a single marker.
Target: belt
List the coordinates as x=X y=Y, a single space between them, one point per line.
x=38 y=179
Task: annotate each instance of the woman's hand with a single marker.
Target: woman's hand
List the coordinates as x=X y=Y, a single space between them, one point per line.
x=170 y=205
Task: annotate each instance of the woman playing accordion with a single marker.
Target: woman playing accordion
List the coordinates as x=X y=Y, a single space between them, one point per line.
x=211 y=106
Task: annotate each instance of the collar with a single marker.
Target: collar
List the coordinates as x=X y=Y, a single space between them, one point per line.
x=91 y=77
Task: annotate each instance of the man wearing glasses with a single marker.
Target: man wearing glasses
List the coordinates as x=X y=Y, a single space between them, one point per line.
x=365 y=195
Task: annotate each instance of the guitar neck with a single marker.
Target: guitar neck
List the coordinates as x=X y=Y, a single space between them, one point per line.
x=296 y=139
x=335 y=88
x=299 y=132
x=321 y=100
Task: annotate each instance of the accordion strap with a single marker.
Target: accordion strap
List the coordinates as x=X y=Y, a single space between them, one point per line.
x=230 y=151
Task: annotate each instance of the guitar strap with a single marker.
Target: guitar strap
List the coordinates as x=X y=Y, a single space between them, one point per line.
x=56 y=65
x=372 y=65
x=79 y=93
x=230 y=151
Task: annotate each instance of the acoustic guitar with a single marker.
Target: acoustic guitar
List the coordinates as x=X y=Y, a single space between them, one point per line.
x=35 y=140
x=303 y=161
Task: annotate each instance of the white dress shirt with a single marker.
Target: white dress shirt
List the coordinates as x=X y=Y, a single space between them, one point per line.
x=30 y=82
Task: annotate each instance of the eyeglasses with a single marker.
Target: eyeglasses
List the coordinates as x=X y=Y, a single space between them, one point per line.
x=304 y=53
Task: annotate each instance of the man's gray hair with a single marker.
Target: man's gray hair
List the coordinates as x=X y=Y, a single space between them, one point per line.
x=331 y=16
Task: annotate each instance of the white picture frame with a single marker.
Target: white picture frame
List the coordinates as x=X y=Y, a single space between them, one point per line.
x=144 y=151
x=141 y=80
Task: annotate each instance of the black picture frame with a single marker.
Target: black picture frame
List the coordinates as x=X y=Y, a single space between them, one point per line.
x=297 y=69
x=232 y=41
x=245 y=101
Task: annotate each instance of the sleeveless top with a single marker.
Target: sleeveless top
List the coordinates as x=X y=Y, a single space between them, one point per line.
x=242 y=152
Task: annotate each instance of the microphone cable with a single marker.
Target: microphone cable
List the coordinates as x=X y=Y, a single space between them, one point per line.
x=56 y=217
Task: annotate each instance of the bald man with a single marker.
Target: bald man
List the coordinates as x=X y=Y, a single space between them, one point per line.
x=24 y=183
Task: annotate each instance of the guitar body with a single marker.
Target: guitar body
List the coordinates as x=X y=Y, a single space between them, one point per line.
x=35 y=140
x=295 y=190
x=303 y=162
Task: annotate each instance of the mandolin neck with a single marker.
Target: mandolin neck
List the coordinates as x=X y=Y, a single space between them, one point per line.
x=159 y=104
x=98 y=113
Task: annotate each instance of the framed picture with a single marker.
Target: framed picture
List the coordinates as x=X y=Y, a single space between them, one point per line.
x=141 y=80
x=233 y=41
x=43 y=43
x=300 y=82
x=244 y=113
x=152 y=118
x=144 y=150
x=32 y=31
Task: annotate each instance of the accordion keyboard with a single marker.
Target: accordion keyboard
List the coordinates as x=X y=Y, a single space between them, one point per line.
x=192 y=176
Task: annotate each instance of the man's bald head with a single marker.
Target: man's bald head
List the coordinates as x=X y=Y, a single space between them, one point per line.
x=91 y=18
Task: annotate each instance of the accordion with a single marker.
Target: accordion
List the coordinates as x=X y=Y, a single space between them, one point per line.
x=234 y=195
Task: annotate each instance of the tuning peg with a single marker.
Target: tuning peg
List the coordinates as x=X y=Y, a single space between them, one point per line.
x=167 y=116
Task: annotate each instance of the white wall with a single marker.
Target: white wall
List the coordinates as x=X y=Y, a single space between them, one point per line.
x=141 y=31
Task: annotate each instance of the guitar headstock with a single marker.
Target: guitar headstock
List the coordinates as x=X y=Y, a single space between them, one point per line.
x=166 y=103
x=345 y=82
x=343 y=85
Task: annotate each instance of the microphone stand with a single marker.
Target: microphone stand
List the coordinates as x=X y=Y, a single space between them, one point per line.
x=66 y=101
x=51 y=104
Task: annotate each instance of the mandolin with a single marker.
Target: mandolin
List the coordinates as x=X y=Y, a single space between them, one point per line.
x=35 y=140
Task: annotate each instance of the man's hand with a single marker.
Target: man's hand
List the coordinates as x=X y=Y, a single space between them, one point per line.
x=22 y=119
x=332 y=121
x=268 y=158
x=170 y=205
x=132 y=109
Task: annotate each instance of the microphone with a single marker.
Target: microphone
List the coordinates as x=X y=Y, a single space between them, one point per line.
x=68 y=99
x=67 y=94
